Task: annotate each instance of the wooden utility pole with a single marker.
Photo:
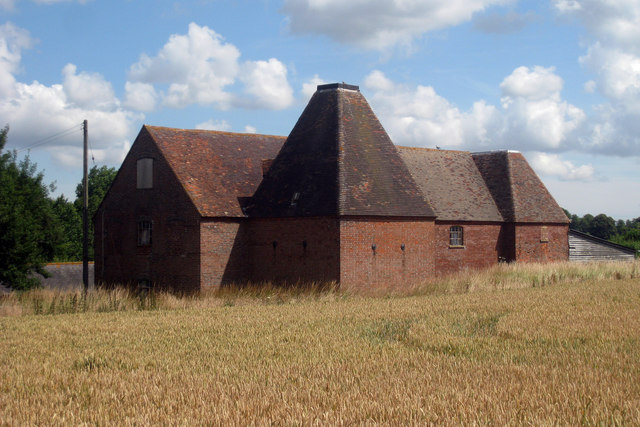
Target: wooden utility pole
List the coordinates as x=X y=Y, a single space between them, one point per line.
x=85 y=212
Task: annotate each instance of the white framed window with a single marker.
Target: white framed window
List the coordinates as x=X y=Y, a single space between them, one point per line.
x=145 y=228
x=456 y=236
x=145 y=173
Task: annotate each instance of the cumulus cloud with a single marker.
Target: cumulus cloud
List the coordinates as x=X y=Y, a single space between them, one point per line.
x=266 y=84
x=554 y=165
x=87 y=90
x=420 y=117
x=611 y=22
x=379 y=24
x=532 y=114
x=310 y=86
x=618 y=74
x=199 y=68
x=535 y=114
x=140 y=96
x=613 y=56
x=35 y=111
x=13 y=40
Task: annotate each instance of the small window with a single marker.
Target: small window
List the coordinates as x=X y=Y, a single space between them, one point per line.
x=145 y=173
x=144 y=232
x=544 y=234
x=456 y=237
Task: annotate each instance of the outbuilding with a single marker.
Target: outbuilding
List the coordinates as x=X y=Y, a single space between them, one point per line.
x=335 y=201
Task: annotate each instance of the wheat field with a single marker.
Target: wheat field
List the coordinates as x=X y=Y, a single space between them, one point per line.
x=515 y=345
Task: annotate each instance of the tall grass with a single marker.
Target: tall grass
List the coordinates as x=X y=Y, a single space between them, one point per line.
x=566 y=352
x=502 y=276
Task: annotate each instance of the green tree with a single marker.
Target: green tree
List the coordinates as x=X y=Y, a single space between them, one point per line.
x=29 y=230
x=70 y=248
x=100 y=179
x=602 y=226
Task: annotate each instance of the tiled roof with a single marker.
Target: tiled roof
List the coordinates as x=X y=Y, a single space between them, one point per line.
x=216 y=168
x=338 y=160
x=517 y=190
x=452 y=184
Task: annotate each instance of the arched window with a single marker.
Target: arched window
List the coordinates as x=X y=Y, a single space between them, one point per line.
x=456 y=236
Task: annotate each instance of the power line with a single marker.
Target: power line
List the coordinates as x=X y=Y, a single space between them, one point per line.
x=52 y=138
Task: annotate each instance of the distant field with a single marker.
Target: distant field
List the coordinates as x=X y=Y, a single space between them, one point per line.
x=563 y=349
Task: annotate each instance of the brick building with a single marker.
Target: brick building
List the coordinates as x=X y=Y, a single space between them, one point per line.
x=336 y=200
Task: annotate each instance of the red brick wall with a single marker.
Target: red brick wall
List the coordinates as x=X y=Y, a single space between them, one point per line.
x=224 y=252
x=530 y=248
x=388 y=266
x=481 y=249
x=289 y=261
x=172 y=261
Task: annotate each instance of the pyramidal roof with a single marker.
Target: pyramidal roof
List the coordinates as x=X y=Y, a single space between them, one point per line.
x=516 y=189
x=338 y=160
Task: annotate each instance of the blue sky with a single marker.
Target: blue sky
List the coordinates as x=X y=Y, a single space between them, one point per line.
x=558 y=80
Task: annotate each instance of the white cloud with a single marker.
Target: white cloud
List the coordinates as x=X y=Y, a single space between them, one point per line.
x=212 y=124
x=553 y=165
x=140 y=96
x=250 y=129
x=197 y=68
x=614 y=56
x=310 y=87
x=12 y=40
x=420 y=117
x=532 y=114
x=379 y=24
x=535 y=115
x=537 y=84
x=266 y=83
x=611 y=22
x=200 y=68
x=88 y=90
x=36 y=112
x=618 y=75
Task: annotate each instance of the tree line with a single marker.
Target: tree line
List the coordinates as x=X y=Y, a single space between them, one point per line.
x=36 y=229
x=622 y=232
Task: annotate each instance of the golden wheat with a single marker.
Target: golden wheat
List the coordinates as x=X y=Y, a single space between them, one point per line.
x=563 y=352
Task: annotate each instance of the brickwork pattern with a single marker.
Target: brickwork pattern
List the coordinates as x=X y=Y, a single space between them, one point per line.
x=224 y=253
x=173 y=259
x=294 y=250
x=481 y=248
x=529 y=246
x=388 y=265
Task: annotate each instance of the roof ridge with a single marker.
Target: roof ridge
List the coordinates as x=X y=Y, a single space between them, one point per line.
x=213 y=131
x=406 y=147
